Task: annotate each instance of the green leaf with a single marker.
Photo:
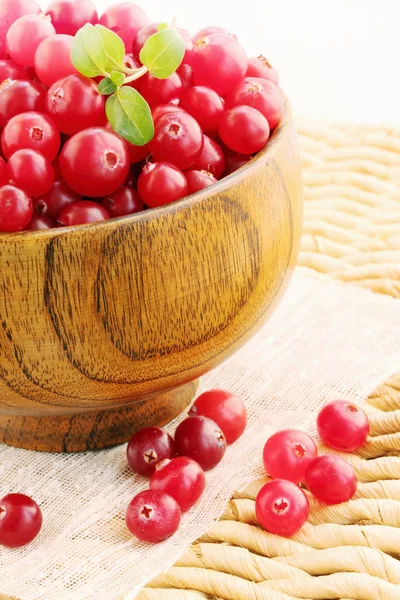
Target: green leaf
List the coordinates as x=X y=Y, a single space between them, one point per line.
x=130 y=116
x=106 y=87
x=117 y=78
x=113 y=46
x=163 y=53
x=87 y=53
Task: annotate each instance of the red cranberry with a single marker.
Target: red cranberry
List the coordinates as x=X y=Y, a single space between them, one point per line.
x=19 y=97
x=177 y=139
x=287 y=454
x=205 y=106
x=125 y=201
x=343 y=426
x=161 y=91
x=74 y=104
x=260 y=67
x=182 y=478
x=234 y=160
x=40 y=223
x=260 y=94
x=31 y=130
x=282 y=507
x=211 y=158
x=153 y=516
x=331 y=479
x=126 y=19
x=198 y=180
x=95 y=162
x=218 y=62
x=52 y=203
x=16 y=209
x=31 y=172
x=200 y=438
x=160 y=183
x=147 y=447
x=82 y=212
x=68 y=16
x=20 y=520
x=244 y=129
x=226 y=409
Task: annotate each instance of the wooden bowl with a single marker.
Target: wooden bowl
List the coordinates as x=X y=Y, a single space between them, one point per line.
x=106 y=327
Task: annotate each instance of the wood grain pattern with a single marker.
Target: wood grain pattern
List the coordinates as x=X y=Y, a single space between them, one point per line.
x=101 y=316
x=94 y=430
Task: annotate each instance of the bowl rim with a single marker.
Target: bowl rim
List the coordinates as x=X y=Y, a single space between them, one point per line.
x=265 y=155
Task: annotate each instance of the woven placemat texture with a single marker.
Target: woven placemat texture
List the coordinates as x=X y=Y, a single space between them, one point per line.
x=350 y=551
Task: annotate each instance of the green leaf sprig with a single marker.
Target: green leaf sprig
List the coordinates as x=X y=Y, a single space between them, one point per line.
x=99 y=52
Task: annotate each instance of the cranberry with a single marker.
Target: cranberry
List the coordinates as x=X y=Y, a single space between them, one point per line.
x=137 y=153
x=147 y=447
x=235 y=160
x=125 y=201
x=209 y=30
x=161 y=91
x=226 y=409
x=95 y=162
x=16 y=209
x=34 y=28
x=31 y=172
x=31 y=130
x=260 y=94
x=39 y=223
x=75 y=104
x=205 y=106
x=260 y=67
x=4 y=175
x=331 y=479
x=82 y=212
x=68 y=16
x=218 y=62
x=53 y=59
x=211 y=158
x=177 y=139
x=282 y=507
x=161 y=183
x=343 y=426
x=198 y=180
x=10 y=11
x=287 y=454
x=182 y=478
x=163 y=109
x=131 y=180
x=10 y=70
x=153 y=516
x=244 y=129
x=18 y=97
x=57 y=198
x=185 y=72
x=126 y=19
x=189 y=46
x=20 y=520
x=142 y=36
x=200 y=438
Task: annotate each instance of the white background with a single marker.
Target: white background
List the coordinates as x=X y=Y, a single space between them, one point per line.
x=338 y=59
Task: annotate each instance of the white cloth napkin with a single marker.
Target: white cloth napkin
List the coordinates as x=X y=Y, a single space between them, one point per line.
x=325 y=341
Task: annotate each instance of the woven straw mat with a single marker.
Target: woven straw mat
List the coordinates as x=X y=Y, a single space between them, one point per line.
x=349 y=551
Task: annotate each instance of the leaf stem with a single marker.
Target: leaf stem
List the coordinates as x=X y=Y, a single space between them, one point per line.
x=136 y=73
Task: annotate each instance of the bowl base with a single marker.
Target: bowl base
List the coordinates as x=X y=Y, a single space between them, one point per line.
x=94 y=430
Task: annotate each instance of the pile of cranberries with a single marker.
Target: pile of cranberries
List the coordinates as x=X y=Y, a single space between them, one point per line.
x=176 y=466
x=62 y=164
x=291 y=459
x=176 y=469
